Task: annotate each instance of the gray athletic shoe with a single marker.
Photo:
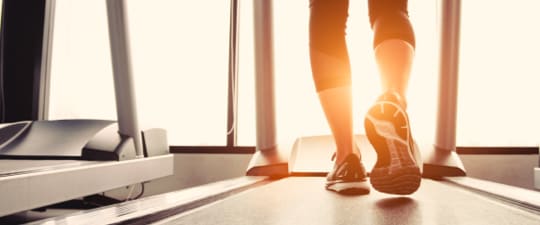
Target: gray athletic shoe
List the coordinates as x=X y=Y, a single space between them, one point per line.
x=398 y=166
x=349 y=177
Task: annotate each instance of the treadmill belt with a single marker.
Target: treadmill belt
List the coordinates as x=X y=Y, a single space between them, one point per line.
x=303 y=200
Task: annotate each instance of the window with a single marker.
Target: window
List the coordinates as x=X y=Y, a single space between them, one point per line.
x=499 y=74
x=179 y=55
x=180 y=58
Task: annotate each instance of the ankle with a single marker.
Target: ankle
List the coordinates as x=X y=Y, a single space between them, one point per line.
x=395 y=96
x=342 y=155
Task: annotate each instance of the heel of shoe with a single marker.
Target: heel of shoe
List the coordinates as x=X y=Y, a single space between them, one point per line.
x=403 y=181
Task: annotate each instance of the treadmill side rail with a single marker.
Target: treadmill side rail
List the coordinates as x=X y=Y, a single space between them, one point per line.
x=55 y=139
x=85 y=139
x=155 y=142
x=11 y=131
x=270 y=162
x=440 y=162
x=109 y=144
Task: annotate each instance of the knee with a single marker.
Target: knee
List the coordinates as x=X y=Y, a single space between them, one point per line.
x=328 y=48
x=327 y=24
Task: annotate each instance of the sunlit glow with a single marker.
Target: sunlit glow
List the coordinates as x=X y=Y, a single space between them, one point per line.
x=500 y=74
x=179 y=56
x=297 y=106
x=180 y=66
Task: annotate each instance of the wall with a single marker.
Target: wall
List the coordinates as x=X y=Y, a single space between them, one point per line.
x=515 y=170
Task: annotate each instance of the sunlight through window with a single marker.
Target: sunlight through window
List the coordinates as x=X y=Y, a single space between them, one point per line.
x=180 y=57
x=179 y=53
x=297 y=106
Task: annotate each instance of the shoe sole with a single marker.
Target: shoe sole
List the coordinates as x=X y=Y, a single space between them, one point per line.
x=401 y=175
x=349 y=188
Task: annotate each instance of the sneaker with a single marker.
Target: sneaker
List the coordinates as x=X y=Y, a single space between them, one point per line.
x=398 y=166
x=349 y=177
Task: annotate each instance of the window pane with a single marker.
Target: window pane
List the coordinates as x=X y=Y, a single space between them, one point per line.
x=499 y=73
x=180 y=56
x=246 y=79
x=81 y=73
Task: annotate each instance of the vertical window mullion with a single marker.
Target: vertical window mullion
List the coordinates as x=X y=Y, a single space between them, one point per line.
x=232 y=112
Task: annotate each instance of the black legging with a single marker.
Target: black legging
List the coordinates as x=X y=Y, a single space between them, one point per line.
x=389 y=20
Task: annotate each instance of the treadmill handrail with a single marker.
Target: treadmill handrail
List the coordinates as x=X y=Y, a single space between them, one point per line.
x=126 y=108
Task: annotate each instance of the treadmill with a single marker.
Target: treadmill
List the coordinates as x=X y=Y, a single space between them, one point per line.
x=45 y=162
x=287 y=186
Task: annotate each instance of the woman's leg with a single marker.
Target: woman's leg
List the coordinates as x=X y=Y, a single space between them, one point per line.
x=394 y=58
x=398 y=166
x=394 y=43
x=331 y=70
x=332 y=75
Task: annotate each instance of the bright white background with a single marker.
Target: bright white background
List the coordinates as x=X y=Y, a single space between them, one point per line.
x=180 y=65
